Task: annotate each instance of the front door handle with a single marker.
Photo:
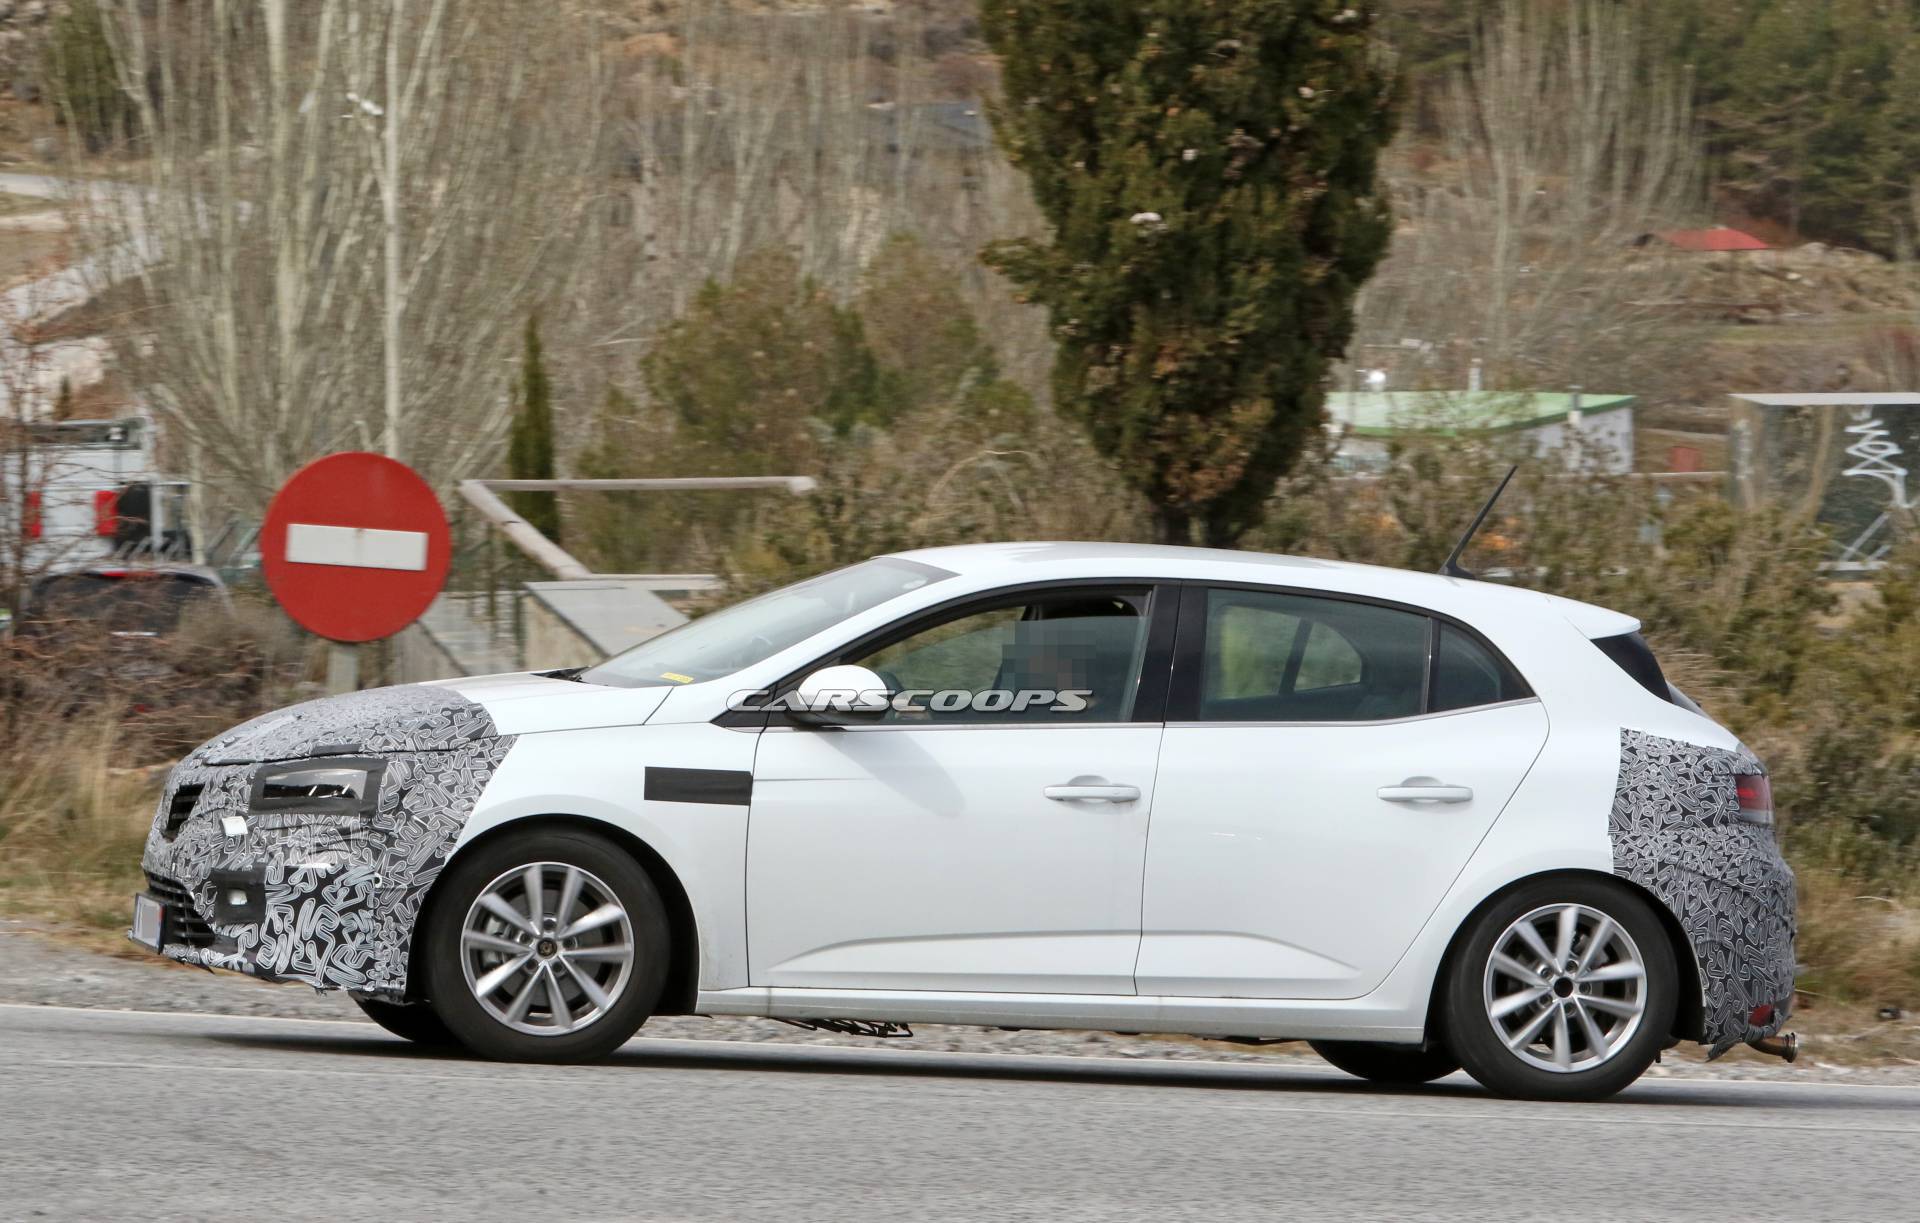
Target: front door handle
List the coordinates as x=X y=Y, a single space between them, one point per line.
x=1425 y=790
x=1093 y=794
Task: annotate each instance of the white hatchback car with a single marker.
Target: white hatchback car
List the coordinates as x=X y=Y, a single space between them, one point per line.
x=1422 y=822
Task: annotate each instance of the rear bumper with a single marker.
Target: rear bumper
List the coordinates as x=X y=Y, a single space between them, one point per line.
x=1676 y=832
x=1742 y=934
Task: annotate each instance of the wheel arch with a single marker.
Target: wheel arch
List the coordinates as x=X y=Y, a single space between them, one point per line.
x=683 y=969
x=1689 y=1016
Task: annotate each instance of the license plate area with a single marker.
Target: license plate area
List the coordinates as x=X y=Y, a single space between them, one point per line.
x=149 y=922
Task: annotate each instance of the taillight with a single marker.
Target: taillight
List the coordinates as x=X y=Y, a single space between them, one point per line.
x=1755 y=795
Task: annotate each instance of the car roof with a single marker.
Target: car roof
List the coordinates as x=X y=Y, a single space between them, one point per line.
x=1017 y=562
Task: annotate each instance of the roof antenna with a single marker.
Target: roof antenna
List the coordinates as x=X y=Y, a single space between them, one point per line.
x=1453 y=568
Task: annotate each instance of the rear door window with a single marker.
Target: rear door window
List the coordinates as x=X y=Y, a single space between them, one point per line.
x=1269 y=656
x=1280 y=656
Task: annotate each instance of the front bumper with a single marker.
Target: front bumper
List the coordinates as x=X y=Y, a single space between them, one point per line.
x=323 y=898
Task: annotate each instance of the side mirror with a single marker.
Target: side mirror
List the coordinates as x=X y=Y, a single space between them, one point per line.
x=841 y=696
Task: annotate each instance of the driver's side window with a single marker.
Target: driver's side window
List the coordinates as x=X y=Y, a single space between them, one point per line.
x=1060 y=657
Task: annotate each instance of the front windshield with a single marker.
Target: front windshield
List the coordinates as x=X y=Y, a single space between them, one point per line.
x=719 y=644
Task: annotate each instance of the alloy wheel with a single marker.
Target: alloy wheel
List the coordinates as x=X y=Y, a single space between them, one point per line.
x=547 y=948
x=1565 y=988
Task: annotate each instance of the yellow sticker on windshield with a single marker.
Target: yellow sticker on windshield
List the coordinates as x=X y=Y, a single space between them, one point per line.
x=676 y=677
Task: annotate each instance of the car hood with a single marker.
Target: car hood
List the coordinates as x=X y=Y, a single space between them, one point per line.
x=411 y=718
x=530 y=703
x=432 y=717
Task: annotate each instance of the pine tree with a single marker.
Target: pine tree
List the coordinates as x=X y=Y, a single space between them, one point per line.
x=759 y=363
x=929 y=344
x=530 y=442
x=1208 y=167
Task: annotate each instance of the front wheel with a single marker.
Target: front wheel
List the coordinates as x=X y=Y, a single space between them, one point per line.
x=1564 y=990
x=1405 y=1065
x=546 y=947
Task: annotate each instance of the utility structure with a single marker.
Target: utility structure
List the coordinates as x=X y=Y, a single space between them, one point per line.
x=1843 y=456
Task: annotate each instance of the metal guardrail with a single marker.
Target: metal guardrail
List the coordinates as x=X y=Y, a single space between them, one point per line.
x=481 y=495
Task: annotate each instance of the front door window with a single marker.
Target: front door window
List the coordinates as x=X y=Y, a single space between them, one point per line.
x=1062 y=657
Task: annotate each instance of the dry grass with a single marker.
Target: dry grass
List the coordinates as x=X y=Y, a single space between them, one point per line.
x=88 y=730
x=1859 y=941
x=72 y=824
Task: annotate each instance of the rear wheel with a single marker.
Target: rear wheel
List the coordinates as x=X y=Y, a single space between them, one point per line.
x=1564 y=990
x=1379 y=1063
x=415 y=1021
x=548 y=947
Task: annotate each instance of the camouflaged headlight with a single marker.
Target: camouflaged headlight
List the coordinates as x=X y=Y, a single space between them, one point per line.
x=347 y=785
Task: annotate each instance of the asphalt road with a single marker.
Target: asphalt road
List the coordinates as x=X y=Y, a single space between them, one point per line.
x=117 y=1114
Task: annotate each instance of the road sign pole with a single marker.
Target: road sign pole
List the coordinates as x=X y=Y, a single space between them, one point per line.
x=343 y=667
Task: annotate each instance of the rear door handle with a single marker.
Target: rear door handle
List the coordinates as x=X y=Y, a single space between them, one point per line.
x=1093 y=794
x=1425 y=790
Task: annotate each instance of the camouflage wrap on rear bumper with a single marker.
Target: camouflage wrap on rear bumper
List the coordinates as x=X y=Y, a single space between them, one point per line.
x=1676 y=831
x=342 y=892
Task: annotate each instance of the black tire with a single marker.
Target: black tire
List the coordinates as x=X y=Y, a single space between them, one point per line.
x=415 y=1021
x=471 y=874
x=1470 y=1031
x=1403 y=1065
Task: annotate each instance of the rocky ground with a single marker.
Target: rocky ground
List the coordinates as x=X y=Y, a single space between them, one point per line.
x=41 y=966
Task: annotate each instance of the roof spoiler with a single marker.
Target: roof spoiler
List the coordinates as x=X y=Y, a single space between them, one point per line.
x=1453 y=568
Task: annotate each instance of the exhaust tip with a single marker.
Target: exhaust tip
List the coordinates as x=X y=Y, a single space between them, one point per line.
x=1785 y=1046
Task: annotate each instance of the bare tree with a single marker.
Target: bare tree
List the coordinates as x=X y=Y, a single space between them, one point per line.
x=1563 y=142
x=821 y=132
x=346 y=207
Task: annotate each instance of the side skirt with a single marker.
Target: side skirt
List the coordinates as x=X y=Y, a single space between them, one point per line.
x=1265 y=1018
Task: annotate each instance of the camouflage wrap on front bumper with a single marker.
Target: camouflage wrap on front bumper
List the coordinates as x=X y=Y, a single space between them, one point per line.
x=342 y=892
x=1676 y=831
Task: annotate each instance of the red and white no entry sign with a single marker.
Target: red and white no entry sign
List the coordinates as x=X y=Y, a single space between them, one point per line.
x=355 y=546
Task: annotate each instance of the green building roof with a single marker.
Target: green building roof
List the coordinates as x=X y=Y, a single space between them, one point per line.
x=1397 y=413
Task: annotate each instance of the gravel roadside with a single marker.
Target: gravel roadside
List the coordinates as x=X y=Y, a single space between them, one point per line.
x=39 y=969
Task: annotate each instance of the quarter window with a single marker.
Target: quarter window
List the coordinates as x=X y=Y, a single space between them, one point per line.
x=1466 y=673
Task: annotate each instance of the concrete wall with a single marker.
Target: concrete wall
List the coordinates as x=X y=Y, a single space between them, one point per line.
x=552 y=643
x=417 y=658
x=1604 y=441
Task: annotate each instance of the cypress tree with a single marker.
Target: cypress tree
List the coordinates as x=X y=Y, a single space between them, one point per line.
x=1208 y=167
x=530 y=442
